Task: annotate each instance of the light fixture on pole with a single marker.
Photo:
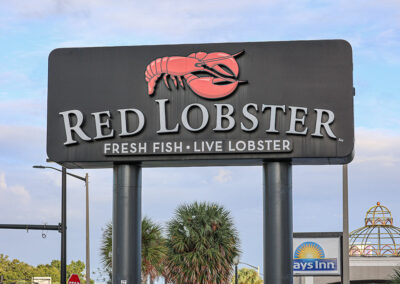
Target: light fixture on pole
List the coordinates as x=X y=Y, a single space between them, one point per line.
x=64 y=222
x=236 y=262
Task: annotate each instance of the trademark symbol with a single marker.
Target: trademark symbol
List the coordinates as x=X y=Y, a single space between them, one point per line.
x=341 y=140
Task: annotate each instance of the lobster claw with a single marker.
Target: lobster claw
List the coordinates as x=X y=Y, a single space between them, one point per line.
x=217 y=60
x=210 y=87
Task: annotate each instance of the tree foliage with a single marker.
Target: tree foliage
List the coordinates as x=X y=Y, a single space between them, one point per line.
x=202 y=242
x=248 y=276
x=106 y=249
x=154 y=250
x=14 y=270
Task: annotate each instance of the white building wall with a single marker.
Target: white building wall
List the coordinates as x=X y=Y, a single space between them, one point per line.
x=361 y=268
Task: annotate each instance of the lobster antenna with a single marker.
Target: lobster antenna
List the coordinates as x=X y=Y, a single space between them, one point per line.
x=238 y=54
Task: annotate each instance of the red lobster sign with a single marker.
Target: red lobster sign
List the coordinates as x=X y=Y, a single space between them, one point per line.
x=211 y=76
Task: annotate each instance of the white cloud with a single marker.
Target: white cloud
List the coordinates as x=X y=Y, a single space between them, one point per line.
x=44 y=8
x=3 y=184
x=26 y=201
x=377 y=147
x=12 y=196
x=22 y=143
x=223 y=176
x=12 y=76
x=178 y=20
x=21 y=111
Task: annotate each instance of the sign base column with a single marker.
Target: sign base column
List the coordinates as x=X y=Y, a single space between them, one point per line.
x=127 y=223
x=278 y=223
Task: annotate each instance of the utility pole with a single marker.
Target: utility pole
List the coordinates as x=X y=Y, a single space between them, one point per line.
x=345 y=249
x=63 y=226
x=87 y=231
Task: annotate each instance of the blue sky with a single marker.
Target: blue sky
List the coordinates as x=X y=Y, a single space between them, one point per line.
x=29 y=30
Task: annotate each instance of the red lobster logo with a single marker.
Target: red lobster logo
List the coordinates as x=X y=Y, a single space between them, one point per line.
x=212 y=76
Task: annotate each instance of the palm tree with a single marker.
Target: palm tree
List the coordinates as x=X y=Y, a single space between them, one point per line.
x=106 y=250
x=248 y=276
x=202 y=242
x=154 y=250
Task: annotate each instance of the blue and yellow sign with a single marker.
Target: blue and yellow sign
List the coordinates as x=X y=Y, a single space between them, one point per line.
x=310 y=257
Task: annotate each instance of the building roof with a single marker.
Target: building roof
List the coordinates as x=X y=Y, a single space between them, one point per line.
x=378 y=236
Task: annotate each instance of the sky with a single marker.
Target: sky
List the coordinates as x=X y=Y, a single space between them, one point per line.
x=29 y=30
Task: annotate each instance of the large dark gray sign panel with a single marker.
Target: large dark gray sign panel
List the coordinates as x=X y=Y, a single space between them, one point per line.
x=201 y=104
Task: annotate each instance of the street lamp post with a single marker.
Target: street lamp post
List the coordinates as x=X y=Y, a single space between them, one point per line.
x=64 y=222
x=236 y=262
x=252 y=266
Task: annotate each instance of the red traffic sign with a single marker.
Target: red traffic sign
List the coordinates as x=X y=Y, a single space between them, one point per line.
x=74 y=279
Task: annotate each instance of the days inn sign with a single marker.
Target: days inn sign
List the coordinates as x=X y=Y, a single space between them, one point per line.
x=201 y=104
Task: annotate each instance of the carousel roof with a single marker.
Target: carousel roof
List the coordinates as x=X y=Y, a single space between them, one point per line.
x=378 y=237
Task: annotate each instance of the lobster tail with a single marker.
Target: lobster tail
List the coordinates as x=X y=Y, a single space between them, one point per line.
x=151 y=84
x=154 y=71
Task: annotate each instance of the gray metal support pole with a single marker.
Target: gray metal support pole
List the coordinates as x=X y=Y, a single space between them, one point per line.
x=63 y=271
x=127 y=236
x=345 y=252
x=278 y=223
